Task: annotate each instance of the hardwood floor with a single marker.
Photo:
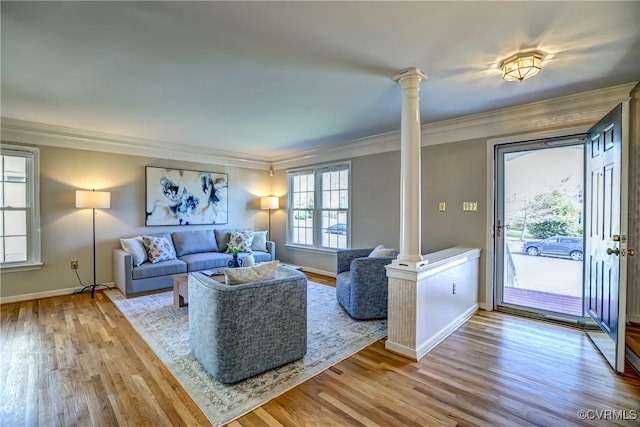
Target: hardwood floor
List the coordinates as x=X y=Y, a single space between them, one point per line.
x=76 y=361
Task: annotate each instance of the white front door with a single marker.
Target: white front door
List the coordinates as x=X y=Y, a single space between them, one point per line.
x=605 y=235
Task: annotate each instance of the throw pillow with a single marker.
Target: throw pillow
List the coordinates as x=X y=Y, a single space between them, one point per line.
x=260 y=241
x=240 y=241
x=159 y=248
x=380 y=251
x=260 y=272
x=135 y=248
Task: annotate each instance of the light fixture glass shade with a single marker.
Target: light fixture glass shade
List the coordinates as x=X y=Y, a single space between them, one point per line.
x=521 y=66
x=269 y=202
x=93 y=199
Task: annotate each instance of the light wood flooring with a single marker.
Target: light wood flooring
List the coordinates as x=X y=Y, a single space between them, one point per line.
x=74 y=361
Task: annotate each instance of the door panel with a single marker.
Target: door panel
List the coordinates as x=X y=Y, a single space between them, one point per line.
x=605 y=275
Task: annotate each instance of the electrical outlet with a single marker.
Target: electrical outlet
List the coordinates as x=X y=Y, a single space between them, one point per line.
x=74 y=264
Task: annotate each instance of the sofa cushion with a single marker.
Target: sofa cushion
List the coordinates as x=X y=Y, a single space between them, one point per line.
x=205 y=260
x=240 y=241
x=192 y=242
x=259 y=241
x=261 y=256
x=135 y=248
x=162 y=268
x=265 y=271
x=159 y=248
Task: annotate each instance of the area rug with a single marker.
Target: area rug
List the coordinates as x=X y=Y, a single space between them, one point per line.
x=331 y=337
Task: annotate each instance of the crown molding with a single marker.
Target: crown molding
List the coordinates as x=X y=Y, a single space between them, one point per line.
x=14 y=130
x=572 y=111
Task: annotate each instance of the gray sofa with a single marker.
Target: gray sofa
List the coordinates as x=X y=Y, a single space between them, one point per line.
x=243 y=330
x=195 y=251
x=362 y=284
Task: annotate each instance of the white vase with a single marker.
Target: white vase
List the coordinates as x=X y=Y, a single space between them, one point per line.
x=248 y=261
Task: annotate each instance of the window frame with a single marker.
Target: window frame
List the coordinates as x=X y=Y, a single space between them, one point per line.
x=34 y=250
x=317 y=171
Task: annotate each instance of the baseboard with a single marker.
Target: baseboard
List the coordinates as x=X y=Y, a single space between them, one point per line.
x=633 y=359
x=401 y=350
x=484 y=306
x=633 y=318
x=321 y=272
x=45 y=294
x=428 y=345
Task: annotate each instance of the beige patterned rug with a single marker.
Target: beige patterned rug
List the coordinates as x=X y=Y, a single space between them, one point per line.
x=332 y=337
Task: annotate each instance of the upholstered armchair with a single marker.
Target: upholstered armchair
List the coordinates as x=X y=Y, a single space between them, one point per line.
x=237 y=331
x=361 y=283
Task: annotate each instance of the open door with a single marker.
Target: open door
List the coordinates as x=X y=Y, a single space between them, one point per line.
x=605 y=234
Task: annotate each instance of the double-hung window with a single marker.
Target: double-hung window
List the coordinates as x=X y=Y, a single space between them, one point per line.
x=319 y=203
x=20 y=215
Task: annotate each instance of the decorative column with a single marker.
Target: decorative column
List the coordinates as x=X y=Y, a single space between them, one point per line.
x=410 y=170
x=404 y=272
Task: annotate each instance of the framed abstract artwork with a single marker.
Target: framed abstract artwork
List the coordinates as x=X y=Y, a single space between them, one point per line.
x=185 y=197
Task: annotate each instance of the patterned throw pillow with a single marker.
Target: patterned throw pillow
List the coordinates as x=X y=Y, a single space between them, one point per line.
x=259 y=241
x=135 y=248
x=264 y=271
x=240 y=241
x=159 y=249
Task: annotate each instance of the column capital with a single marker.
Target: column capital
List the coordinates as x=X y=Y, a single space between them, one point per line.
x=409 y=72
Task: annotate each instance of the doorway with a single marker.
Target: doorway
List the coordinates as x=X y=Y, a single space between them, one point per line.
x=539 y=236
x=604 y=223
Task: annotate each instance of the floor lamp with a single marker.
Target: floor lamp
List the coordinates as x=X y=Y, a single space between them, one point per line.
x=93 y=200
x=269 y=202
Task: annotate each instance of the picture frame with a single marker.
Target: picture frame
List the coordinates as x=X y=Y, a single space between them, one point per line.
x=185 y=197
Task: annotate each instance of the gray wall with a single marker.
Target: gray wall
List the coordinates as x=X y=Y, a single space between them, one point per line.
x=452 y=173
x=66 y=231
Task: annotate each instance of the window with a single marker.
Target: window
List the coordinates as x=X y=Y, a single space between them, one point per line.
x=20 y=216
x=319 y=202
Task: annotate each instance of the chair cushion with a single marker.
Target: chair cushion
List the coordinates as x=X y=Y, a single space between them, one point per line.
x=380 y=251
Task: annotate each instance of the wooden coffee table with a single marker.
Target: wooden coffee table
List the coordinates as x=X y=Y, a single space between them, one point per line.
x=181 y=284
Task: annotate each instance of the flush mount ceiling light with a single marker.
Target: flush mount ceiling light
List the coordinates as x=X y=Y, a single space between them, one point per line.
x=521 y=66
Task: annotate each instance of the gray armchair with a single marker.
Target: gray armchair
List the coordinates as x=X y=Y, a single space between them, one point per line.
x=361 y=283
x=239 y=331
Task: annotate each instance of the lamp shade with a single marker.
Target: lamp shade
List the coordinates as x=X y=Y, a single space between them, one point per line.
x=269 y=202
x=93 y=199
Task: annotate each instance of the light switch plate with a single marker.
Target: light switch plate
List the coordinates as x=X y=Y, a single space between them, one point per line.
x=470 y=206
x=442 y=206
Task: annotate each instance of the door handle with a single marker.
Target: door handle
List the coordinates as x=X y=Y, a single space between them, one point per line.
x=499 y=228
x=631 y=252
x=615 y=251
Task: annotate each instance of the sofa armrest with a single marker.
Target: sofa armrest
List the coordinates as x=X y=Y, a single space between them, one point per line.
x=271 y=248
x=122 y=270
x=345 y=256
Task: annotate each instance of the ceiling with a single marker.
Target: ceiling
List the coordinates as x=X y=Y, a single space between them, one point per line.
x=268 y=79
